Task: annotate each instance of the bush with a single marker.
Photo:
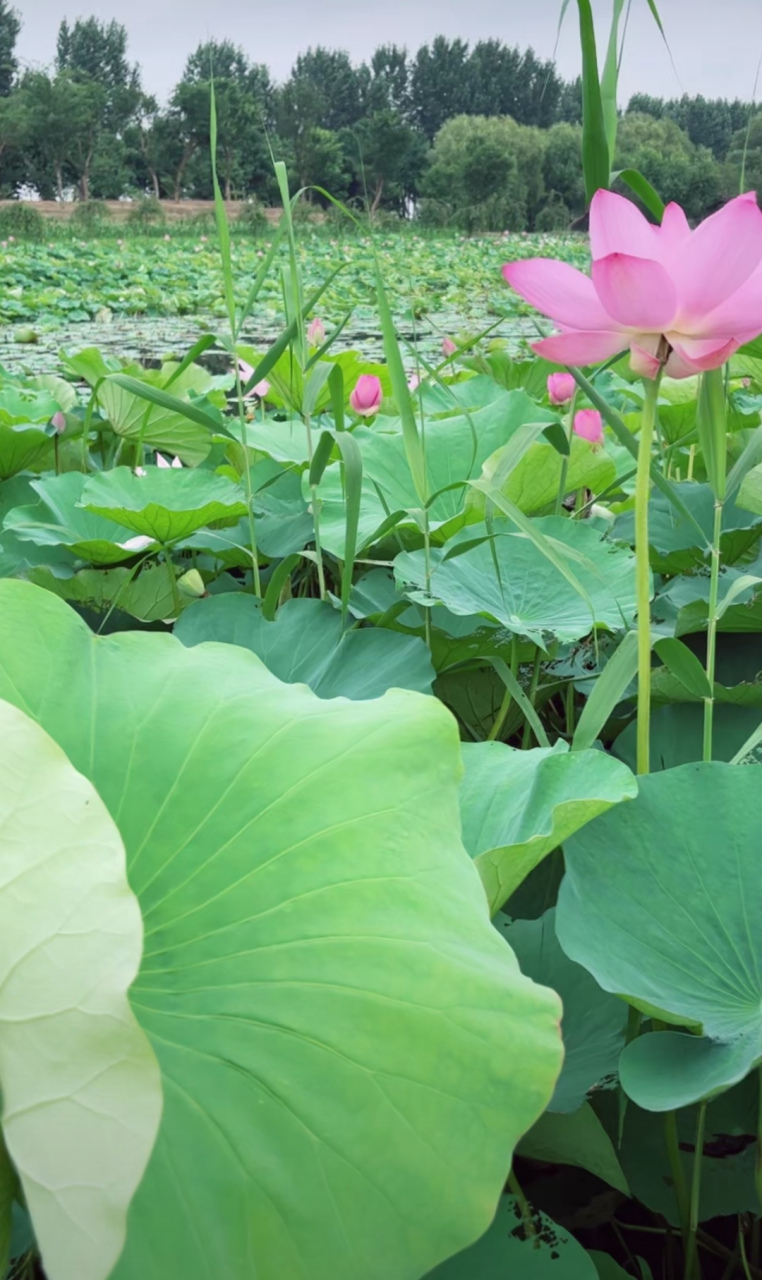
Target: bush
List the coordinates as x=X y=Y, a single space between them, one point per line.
x=555 y=216
x=23 y=221
x=90 y=215
x=146 y=214
x=252 y=220
x=475 y=181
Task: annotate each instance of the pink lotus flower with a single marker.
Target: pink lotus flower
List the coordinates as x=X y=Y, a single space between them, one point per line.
x=367 y=395
x=449 y=347
x=561 y=388
x=260 y=389
x=316 y=333
x=413 y=382
x=692 y=297
x=58 y=421
x=161 y=461
x=588 y=424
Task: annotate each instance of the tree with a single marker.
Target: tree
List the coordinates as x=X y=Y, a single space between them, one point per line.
x=708 y=122
x=14 y=123
x=473 y=180
x=562 y=166
x=10 y=25
x=388 y=158
x=665 y=155
x=63 y=125
x=388 y=86
x=94 y=52
x=243 y=95
x=325 y=85
x=439 y=84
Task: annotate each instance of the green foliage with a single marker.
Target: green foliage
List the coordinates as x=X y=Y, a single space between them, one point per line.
x=89 y=216
x=146 y=213
x=22 y=220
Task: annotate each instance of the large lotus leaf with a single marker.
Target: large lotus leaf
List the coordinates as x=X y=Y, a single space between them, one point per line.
x=148 y=595
x=23 y=447
x=456 y=449
x=80 y=1085
x=578 y=1139
x=750 y=493
x=137 y=419
x=677 y=734
x=57 y=520
x=594 y=1020
x=306 y=643
x=508 y=578
x=674 y=541
x=609 y=1269
x=727 y=1168
x=290 y=441
x=684 y=603
x=661 y=902
x=348 y=1050
x=24 y=404
x=517 y=806
x=534 y=482
x=374 y=512
x=505 y=1252
x=163 y=503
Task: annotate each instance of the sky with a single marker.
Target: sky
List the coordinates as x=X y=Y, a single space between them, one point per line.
x=716 y=44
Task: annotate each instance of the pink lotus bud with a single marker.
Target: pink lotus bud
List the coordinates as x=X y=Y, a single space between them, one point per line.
x=316 y=333
x=449 y=347
x=58 y=421
x=261 y=389
x=561 y=388
x=588 y=424
x=161 y=461
x=367 y=395
x=413 y=382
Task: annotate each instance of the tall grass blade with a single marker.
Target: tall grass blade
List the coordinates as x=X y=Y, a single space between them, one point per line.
x=619 y=672
x=595 y=148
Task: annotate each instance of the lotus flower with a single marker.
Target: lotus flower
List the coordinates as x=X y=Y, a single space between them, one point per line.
x=561 y=388
x=260 y=389
x=367 y=395
x=58 y=421
x=316 y=333
x=161 y=461
x=675 y=297
x=413 y=382
x=588 y=424
x=449 y=347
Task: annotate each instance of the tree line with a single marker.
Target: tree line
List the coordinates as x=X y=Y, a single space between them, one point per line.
x=482 y=137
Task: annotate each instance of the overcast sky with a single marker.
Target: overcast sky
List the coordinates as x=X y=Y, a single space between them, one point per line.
x=716 y=43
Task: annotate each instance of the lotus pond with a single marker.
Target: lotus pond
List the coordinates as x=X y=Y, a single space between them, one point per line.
x=343 y=933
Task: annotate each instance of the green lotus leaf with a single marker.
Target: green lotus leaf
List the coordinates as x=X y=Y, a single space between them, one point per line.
x=163 y=504
x=576 y=1138
x=57 y=520
x=517 y=806
x=553 y=1254
x=594 y=1020
x=348 y=1050
x=23 y=447
x=506 y=577
x=80 y=1084
x=306 y=642
x=155 y=426
x=534 y=482
x=660 y=902
x=674 y=541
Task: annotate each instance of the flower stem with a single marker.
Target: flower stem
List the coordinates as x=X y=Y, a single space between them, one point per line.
x=691 y=1258
x=527 y=1217
x=247 y=482
x=711 y=633
x=527 y=736
x=565 y=459
x=643 y=574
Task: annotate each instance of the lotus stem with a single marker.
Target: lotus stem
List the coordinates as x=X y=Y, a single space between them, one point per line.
x=643 y=574
x=711 y=633
x=692 y=1268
